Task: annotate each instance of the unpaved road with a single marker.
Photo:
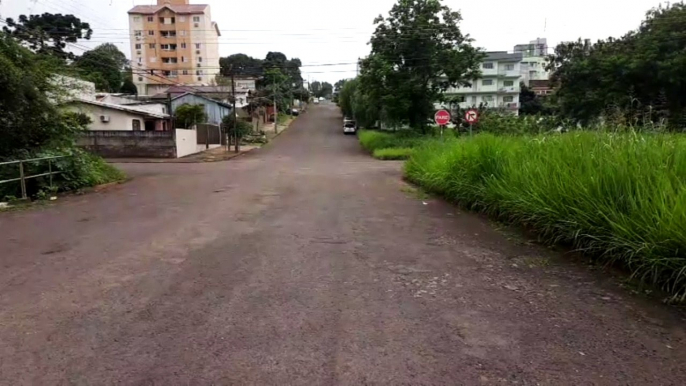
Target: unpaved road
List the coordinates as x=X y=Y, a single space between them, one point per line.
x=306 y=263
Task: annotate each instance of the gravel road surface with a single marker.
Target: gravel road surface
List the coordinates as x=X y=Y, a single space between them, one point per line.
x=307 y=263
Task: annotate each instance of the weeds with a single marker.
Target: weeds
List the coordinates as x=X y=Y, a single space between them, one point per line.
x=620 y=197
x=393 y=153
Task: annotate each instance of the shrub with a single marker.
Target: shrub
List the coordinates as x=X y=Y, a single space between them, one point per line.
x=619 y=197
x=398 y=153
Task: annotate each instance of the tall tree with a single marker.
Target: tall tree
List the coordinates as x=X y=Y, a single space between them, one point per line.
x=128 y=87
x=640 y=76
x=49 y=33
x=418 y=51
x=240 y=64
x=104 y=65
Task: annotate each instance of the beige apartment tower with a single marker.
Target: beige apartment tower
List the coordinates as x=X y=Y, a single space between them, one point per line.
x=173 y=43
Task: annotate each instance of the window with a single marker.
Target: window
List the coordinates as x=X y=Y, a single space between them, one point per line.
x=196 y=19
x=184 y=72
x=169 y=60
x=183 y=45
x=140 y=60
x=508 y=83
x=151 y=19
x=136 y=124
x=509 y=67
x=136 y=19
x=140 y=78
x=473 y=98
x=488 y=66
x=151 y=33
x=138 y=46
x=182 y=19
x=200 y=78
x=199 y=65
x=138 y=33
x=487 y=82
x=197 y=46
x=508 y=98
x=197 y=52
x=488 y=98
x=152 y=45
x=196 y=25
x=200 y=59
x=198 y=72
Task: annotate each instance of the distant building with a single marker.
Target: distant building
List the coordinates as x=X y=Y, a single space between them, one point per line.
x=498 y=86
x=533 y=60
x=172 y=43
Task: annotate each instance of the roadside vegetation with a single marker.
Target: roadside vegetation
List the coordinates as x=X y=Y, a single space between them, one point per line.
x=600 y=165
x=33 y=126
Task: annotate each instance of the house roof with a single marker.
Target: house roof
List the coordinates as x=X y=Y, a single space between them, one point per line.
x=181 y=9
x=127 y=109
x=202 y=97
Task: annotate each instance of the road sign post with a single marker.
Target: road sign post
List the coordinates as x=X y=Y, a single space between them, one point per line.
x=442 y=118
x=472 y=117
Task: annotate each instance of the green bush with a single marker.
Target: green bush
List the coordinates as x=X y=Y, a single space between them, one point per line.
x=397 y=153
x=373 y=140
x=618 y=197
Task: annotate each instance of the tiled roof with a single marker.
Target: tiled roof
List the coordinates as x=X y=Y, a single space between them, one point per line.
x=152 y=9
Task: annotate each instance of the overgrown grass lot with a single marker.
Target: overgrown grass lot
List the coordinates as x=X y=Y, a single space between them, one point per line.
x=619 y=197
x=389 y=146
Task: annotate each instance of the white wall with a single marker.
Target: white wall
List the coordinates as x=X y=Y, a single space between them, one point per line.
x=186 y=142
x=119 y=120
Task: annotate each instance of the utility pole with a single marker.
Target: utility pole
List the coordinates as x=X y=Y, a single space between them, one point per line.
x=235 y=115
x=276 y=115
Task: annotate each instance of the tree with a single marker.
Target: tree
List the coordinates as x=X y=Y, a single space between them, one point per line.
x=240 y=64
x=28 y=120
x=128 y=87
x=103 y=63
x=189 y=115
x=529 y=102
x=321 y=89
x=418 y=51
x=640 y=76
x=48 y=33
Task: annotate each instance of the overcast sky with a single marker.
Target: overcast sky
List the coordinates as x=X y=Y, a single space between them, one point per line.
x=337 y=31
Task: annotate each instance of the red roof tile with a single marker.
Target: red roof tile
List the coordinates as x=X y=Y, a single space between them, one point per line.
x=152 y=9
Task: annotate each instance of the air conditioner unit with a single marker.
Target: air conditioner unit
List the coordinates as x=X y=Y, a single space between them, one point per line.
x=138 y=52
x=104 y=118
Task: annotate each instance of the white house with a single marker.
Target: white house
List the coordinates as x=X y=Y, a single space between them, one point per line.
x=498 y=86
x=533 y=60
x=106 y=116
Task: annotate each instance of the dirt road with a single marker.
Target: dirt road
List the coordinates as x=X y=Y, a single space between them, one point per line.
x=306 y=263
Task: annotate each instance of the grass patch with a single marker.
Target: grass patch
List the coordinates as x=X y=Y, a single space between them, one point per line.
x=618 y=197
x=393 y=153
x=372 y=140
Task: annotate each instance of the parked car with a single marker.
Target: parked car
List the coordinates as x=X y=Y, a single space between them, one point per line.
x=316 y=101
x=295 y=112
x=349 y=127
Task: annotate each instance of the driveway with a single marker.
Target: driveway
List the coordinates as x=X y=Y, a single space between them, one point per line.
x=307 y=263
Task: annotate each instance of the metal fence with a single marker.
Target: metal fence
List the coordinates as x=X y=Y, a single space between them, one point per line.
x=22 y=175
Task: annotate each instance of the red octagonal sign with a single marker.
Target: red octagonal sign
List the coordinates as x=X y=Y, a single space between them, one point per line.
x=442 y=117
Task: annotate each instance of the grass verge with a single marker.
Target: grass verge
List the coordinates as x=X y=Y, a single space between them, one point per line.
x=393 y=153
x=618 y=197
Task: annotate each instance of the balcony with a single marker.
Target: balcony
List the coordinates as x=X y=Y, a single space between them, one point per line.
x=509 y=89
x=168 y=34
x=509 y=73
x=509 y=105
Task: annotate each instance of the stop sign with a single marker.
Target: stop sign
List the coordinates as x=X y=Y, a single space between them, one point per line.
x=442 y=117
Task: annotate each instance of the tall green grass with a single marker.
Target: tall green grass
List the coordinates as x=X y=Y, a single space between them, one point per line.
x=372 y=140
x=619 y=197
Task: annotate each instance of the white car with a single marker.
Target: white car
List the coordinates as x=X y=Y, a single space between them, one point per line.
x=349 y=126
x=316 y=101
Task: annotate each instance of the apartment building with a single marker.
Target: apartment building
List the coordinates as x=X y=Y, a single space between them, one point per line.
x=533 y=60
x=173 y=43
x=498 y=86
